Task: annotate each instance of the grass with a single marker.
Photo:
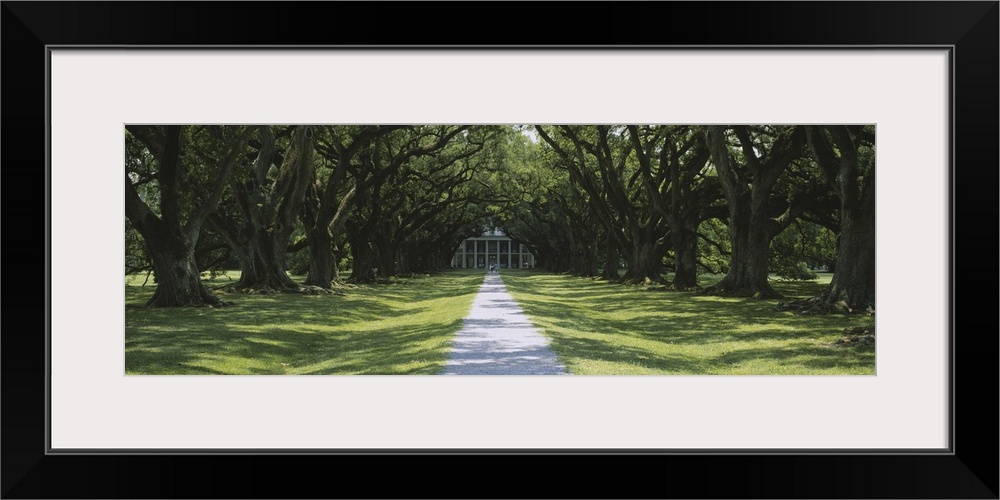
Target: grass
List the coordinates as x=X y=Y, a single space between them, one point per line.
x=600 y=328
x=402 y=328
x=596 y=328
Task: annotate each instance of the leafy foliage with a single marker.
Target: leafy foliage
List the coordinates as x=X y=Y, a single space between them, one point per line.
x=611 y=200
x=801 y=248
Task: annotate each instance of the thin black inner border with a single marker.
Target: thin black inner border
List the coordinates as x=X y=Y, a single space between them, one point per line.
x=949 y=450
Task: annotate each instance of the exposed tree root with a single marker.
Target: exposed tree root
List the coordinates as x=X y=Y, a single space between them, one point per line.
x=855 y=336
x=300 y=289
x=645 y=281
x=821 y=305
x=342 y=285
x=416 y=274
x=681 y=288
x=391 y=280
x=670 y=287
x=205 y=299
x=213 y=301
x=717 y=291
x=316 y=290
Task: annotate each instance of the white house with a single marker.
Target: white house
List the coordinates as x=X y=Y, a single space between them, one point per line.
x=492 y=247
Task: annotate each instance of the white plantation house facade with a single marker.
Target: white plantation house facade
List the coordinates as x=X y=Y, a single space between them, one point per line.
x=492 y=247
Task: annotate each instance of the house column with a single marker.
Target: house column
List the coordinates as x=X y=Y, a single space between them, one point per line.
x=475 y=253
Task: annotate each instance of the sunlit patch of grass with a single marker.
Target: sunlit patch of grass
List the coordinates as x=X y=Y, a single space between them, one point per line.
x=601 y=328
x=403 y=328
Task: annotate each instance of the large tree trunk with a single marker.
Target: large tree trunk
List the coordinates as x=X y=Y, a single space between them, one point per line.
x=646 y=264
x=364 y=254
x=555 y=261
x=261 y=270
x=591 y=256
x=364 y=264
x=324 y=253
x=750 y=236
x=323 y=270
x=261 y=252
x=750 y=227
x=269 y=215
x=599 y=200
x=854 y=282
x=685 y=242
x=399 y=261
x=386 y=257
x=416 y=261
x=178 y=282
x=171 y=243
x=584 y=259
x=560 y=264
x=611 y=261
x=853 y=285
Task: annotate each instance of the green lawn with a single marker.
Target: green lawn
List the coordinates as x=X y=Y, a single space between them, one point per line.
x=402 y=328
x=406 y=328
x=598 y=328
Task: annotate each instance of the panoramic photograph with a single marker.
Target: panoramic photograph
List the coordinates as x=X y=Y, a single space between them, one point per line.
x=531 y=250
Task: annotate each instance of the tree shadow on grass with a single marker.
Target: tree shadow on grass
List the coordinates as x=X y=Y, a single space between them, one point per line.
x=682 y=320
x=420 y=349
x=609 y=351
x=362 y=332
x=813 y=357
x=687 y=321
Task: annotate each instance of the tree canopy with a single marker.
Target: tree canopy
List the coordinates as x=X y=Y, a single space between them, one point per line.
x=645 y=204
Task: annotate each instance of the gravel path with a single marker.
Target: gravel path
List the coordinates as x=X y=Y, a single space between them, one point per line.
x=499 y=339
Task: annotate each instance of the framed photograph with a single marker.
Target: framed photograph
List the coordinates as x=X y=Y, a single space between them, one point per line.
x=925 y=73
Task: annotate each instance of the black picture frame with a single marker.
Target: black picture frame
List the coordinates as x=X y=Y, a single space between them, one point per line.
x=969 y=471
